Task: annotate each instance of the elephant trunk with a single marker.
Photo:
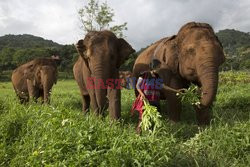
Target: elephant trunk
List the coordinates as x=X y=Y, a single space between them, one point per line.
x=100 y=91
x=209 y=83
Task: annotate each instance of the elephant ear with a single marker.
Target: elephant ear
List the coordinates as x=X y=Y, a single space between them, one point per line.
x=81 y=48
x=170 y=56
x=124 y=50
x=173 y=63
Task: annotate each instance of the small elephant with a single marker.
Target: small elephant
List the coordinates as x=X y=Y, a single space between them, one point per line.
x=193 y=56
x=35 y=79
x=126 y=79
x=101 y=55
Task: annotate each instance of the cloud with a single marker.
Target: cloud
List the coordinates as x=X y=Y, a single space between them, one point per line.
x=148 y=21
x=151 y=20
x=56 y=20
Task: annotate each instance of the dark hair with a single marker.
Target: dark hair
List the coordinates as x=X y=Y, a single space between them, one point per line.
x=155 y=63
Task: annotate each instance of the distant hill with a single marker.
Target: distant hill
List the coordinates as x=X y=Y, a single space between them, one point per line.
x=18 y=49
x=25 y=41
x=232 y=40
x=236 y=45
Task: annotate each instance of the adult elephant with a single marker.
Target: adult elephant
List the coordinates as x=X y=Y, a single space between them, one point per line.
x=101 y=55
x=35 y=79
x=192 y=56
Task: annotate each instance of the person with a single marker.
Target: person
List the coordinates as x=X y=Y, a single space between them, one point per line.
x=148 y=88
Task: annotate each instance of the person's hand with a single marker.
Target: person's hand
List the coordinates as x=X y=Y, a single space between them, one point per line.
x=143 y=97
x=183 y=90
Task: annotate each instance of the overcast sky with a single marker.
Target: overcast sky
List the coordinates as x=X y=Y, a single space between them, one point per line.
x=148 y=20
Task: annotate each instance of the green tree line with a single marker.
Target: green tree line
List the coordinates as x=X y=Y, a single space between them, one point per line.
x=236 y=45
x=18 y=49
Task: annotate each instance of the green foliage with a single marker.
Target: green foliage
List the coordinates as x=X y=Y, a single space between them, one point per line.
x=233 y=39
x=190 y=96
x=150 y=118
x=25 y=41
x=236 y=45
x=234 y=77
x=60 y=135
x=19 y=49
x=128 y=65
x=95 y=16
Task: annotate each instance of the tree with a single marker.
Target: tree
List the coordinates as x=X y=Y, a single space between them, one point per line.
x=96 y=17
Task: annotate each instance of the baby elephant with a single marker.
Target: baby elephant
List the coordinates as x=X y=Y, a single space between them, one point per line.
x=35 y=79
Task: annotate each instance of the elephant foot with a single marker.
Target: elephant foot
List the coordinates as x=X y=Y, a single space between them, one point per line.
x=85 y=103
x=203 y=117
x=85 y=111
x=23 y=101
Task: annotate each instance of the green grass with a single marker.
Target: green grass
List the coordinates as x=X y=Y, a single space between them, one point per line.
x=60 y=135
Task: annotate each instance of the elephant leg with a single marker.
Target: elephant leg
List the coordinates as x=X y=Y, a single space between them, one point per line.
x=93 y=102
x=203 y=116
x=23 y=100
x=23 y=97
x=41 y=94
x=174 y=104
x=33 y=93
x=85 y=103
x=85 y=98
x=174 y=107
x=114 y=96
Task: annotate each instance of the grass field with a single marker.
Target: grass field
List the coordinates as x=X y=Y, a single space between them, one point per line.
x=60 y=135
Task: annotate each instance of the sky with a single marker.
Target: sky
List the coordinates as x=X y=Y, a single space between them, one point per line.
x=148 y=20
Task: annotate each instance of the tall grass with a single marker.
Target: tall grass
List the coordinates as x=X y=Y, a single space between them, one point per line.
x=60 y=135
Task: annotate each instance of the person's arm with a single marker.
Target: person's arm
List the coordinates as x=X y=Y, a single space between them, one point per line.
x=138 y=87
x=165 y=87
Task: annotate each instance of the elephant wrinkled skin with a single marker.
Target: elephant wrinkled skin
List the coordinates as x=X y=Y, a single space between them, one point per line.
x=101 y=55
x=35 y=79
x=193 y=56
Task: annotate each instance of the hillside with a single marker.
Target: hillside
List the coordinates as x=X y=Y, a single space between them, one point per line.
x=232 y=40
x=18 y=49
x=25 y=41
x=236 y=45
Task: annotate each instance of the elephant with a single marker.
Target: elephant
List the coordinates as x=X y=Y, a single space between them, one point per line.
x=35 y=79
x=126 y=79
x=192 y=56
x=101 y=54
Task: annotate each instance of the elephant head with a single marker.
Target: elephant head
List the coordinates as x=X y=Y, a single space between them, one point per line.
x=103 y=53
x=200 y=55
x=126 y=80
x=195 y=54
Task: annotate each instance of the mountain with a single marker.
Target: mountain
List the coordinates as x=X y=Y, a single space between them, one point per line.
x=236 y=45
x=25 y=41
x=233 y=39
x=19 y=49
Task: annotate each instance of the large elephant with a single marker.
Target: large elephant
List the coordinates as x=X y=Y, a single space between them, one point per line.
x=101 y=55
x=35 y=79
x=193 y=56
